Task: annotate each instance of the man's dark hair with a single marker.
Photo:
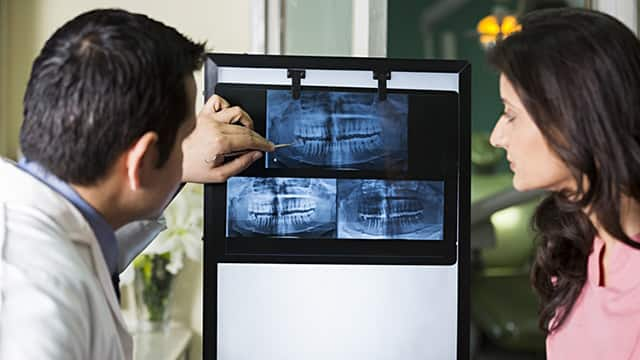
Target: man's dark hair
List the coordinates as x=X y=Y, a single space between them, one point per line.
x=101 y=81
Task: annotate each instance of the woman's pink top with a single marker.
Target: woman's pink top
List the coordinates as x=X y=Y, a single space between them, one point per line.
x=605 y=321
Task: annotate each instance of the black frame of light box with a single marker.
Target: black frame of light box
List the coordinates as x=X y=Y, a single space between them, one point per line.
x=455 y=245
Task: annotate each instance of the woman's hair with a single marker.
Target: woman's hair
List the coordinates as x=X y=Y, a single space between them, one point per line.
x=577 y=73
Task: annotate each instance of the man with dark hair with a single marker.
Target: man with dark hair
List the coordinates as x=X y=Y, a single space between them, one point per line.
x=109 y=133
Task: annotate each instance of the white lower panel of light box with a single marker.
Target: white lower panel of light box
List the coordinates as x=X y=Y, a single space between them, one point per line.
x=337 y=312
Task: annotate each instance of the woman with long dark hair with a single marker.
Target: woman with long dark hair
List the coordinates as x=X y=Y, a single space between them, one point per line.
x=570 y=84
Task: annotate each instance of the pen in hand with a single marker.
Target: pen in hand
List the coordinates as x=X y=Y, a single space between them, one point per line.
x=217 y=157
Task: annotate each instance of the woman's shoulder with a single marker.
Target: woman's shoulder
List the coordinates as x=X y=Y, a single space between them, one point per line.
x=605 y=320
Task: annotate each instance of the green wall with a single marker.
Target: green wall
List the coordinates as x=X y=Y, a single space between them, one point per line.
x=318 y=27
x=405 y=40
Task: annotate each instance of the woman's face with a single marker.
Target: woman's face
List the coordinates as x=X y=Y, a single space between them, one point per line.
x=534 y=164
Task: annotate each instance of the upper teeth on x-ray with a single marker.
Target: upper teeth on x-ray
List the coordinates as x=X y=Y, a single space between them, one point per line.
x=385 y=209
x=346 y=130
x=281 y=206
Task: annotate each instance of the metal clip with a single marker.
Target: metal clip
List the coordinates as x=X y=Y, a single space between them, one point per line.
x=296 y=75
x=382 y=76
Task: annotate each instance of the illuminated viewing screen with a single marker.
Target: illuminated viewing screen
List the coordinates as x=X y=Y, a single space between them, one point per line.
x=339 y=130
x=335 y=208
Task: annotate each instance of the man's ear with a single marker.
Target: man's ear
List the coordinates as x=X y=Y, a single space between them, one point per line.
x=141 y=158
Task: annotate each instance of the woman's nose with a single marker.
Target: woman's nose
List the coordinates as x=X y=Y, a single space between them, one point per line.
x=497 y=137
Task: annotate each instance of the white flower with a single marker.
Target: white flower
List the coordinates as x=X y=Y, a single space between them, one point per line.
x=183 y=236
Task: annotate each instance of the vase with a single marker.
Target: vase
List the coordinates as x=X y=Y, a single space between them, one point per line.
x=153 y=285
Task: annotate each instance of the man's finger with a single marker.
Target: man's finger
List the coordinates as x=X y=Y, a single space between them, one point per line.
x=244 y=141
x=235 y=115
x=230 y=129
x=216 y=103
x=236 y=166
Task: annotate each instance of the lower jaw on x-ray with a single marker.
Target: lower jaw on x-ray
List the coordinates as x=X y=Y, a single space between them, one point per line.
x=342 y=130
x=283 y=207
x=385 y=209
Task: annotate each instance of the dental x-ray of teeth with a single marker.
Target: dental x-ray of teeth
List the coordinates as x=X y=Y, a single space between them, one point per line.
x=294 y=207
x=390 y=209
x=340 y=130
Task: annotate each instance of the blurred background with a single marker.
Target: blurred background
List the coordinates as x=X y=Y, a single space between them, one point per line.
x=503 y=307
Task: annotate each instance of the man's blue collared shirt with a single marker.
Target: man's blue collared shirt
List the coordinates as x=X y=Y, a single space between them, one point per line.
x=103 y=231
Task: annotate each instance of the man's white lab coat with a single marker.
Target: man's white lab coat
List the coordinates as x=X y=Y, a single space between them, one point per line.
x=56 y=296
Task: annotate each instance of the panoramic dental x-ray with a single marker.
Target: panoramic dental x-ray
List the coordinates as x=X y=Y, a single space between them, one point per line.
x=386 y=209
x=367 y=209
x=281 y=207
x=340 y=130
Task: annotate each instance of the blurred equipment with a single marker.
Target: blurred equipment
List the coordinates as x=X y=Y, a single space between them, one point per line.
x=503 y=305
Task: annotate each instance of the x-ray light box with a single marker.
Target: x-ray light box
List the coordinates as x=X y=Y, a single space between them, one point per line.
x=352 y=241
